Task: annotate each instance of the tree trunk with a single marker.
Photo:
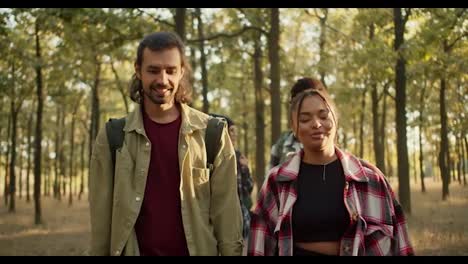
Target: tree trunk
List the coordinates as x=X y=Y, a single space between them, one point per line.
x=180 y=22
x=465 y=156
x=62 y=157
x=391 y=169
x=28 y=169
x=361 y=124
x=38 y=137
x=259 y=115
x=95 y=112
x=194 y=64
x=459 y=152
x=421 y=160
x=57 y=151
x=83 y=143
x=400 y=87
x=245 y=125
x=14 y=131
x=355 y=133
x=415 y=159
x=71 y=173
x=378 y=147
x=120 y=87
x=204 y=73
x=20 y=166
x=72 y=150
x=47 y=170
x=444 y=162
x=6 y=189
x=452 y=169
x=421 y=130
x=193 y=60
x=322 y=41
x=274 y=58
x=383 y=137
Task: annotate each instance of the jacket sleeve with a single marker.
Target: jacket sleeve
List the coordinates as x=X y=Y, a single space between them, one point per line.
x=225 y=211
x=101 y=184
x=262 y=240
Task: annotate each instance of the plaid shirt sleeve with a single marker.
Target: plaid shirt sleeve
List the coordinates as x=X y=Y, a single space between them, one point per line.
x=262 y=241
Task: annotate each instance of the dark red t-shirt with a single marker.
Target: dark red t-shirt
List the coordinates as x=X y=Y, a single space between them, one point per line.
x=159 y=227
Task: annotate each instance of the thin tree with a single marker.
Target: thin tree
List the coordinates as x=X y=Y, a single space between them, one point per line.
x=401 y=122
x=6 y=189
x=259 y=114
x=38 y=137
x=204 y=72
x=421 y=131
x=30 y=151
x=179 y=19
x=274 y=59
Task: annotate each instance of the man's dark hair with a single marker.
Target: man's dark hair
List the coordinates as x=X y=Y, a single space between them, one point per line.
x=156 y=42
x=304 y=84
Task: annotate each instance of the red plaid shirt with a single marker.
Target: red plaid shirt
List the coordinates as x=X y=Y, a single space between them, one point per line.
x=377 y=224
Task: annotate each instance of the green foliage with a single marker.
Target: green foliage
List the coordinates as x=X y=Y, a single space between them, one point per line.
x=74 y=41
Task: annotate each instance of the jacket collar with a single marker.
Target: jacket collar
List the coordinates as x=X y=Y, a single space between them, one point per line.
x=352 y=167
x=191 y=119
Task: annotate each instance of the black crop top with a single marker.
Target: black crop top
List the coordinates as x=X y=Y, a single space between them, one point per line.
x=319 y=213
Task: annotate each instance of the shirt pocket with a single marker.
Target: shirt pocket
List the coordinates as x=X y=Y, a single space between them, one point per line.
x=201 y=183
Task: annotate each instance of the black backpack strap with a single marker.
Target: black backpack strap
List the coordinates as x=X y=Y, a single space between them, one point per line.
x=213 y=133
x=115 y=135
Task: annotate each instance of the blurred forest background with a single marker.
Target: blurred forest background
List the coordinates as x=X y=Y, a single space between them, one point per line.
x=398 y=77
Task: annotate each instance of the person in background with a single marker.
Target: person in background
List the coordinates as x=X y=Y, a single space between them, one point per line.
x=244 y=179
x=324 y=201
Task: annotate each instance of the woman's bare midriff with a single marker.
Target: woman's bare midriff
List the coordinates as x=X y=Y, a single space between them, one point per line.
x=325 y=247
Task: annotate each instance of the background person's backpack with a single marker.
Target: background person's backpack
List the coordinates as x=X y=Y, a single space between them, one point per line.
x=115 y=136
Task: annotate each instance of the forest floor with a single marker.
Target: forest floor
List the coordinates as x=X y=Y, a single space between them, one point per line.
x=436 y=227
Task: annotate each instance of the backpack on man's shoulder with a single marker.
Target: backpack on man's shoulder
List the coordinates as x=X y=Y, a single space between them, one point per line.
x=214 y=129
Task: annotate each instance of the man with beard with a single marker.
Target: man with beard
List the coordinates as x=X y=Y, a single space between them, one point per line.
x=159 y=198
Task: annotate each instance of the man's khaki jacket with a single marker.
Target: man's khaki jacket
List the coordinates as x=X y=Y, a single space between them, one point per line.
x=210 y=206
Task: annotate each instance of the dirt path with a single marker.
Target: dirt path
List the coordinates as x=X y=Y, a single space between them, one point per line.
x=65 y=230
x=436 y=227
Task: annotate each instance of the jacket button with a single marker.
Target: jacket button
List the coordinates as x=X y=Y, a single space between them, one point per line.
x=138 y=198
x=347 y=249
x=147 y=144
x=355 y=216
x=117 y=252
